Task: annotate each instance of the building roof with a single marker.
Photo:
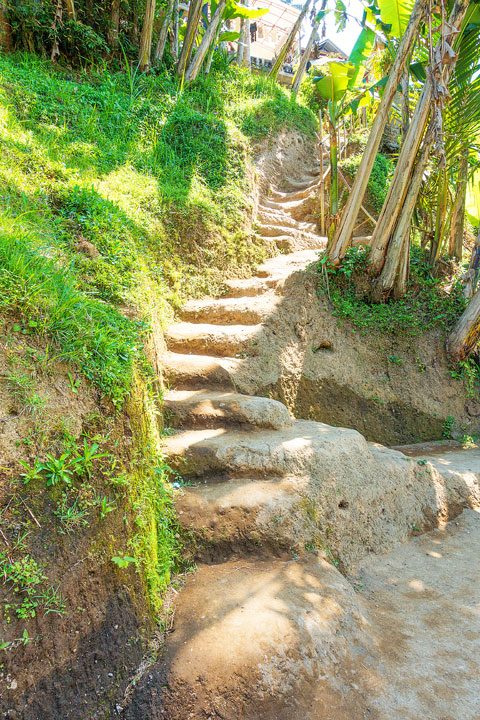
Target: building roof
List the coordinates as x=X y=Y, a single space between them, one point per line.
x=275 y=26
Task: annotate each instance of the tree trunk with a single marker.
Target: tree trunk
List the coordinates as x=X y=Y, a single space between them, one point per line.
x=288 y=42
x=70 y=5
x=458 y=212
x=405 y=100
x=174 y=36
x=440 y=217
x=396 y=262
x=306 y=55
x=355 y=199
x=194 y=12
x=114 y=23
x=208 y=37
x=241 y=43
x=398 y=189
x=145 y=51
x=464 y=337
x=332 y=131
x=162 y=36
x=5 y=28
x=471 y=277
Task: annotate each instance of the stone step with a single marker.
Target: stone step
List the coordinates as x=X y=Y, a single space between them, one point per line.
x=250 y=287
x=285 y=265
x=199 y=371
x=299 y=184
x=284 y=243
x=294 y=195
x=295 y=450
x=208 y=339
x=268 y=220
x=225 y=311
x=284 y=204
x=246 y=513
x=207 y=408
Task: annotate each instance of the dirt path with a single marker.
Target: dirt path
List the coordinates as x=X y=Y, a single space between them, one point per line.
x=268 y=628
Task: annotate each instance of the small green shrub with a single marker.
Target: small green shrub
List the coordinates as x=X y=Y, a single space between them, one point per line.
x=426 y=304
x=377 y=187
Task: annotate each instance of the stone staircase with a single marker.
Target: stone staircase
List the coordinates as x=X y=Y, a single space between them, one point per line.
x=267 y=628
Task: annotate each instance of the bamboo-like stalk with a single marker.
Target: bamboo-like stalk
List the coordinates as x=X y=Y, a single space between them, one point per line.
x=350 y=213
x=194 y=12
x=114 y=23
x=70 y=5
x=457 y=222
x=399 y=243
x=308 y=50
x=288 y=42
x=174 y=37
x=146 y=36
x=322 y=182
x=208 y=37
x=162 y=36
x=398 y=189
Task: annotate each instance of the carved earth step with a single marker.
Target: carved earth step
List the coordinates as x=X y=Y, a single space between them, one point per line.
x=208 y=339
x=225 y=311
x=200 y=371
x=206 y=408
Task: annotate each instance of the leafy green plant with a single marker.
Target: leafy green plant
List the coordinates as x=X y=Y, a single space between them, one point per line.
x=84 y=460
x=448 y=426
x=23 y=577
x=123 y=561
x=71 y=515
x=58 y=470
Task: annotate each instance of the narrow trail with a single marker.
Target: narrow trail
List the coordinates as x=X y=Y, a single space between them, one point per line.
x=267 y=628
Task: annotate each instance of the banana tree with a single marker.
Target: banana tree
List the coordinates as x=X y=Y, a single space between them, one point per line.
x=332 y=86
x=391 y=238
x=403 y=19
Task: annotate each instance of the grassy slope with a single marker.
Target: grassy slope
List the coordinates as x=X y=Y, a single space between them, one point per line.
x=118 y=190
x=120 y=196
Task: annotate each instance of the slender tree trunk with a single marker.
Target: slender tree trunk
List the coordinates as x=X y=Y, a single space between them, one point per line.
x=322 y=181
x=464 y=337
x=471 y=277
x=355 y=199
x=114 y=23
x=209 y=37
x=440 y=217
x=288 y=42
x=405 y=100
x=194 y=12
x=174 y=35
x=399 y=186
x=333 y=133
x=162 y=36
x=145 y=51
x=458 y=212
x=306 y=55
x=241 y=43
x=396 y=262
x=5 y=28
x=70 y=5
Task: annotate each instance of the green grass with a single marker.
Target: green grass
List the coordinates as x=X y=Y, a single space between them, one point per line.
x=118 y=190
x=427 y=304
x=379 y=178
